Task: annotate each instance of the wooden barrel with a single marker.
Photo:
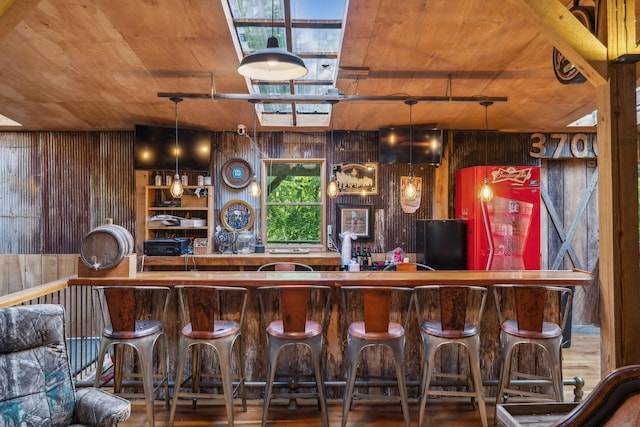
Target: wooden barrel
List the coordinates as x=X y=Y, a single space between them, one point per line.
x=105 y=246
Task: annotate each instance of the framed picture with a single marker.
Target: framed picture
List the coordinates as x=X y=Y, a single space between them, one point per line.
x=357 y=218
x=357 y=178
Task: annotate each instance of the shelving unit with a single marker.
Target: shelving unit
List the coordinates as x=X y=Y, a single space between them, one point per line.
x=158 y=201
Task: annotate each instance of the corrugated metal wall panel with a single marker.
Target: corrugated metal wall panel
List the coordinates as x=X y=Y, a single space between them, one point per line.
x=112 y=186
x=67 y=161
x=21 y=207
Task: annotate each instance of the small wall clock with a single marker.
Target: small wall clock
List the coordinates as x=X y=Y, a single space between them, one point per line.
x=237 y=215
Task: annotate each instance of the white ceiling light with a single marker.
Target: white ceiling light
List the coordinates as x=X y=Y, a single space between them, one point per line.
x=272 y=64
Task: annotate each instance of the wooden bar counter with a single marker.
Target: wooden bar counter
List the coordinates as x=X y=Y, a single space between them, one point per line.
x=253 y=335
x=337 y=278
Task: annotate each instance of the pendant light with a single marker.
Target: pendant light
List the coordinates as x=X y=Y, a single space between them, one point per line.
x=272 y=63
x=254 y=187
x=332 y=188
x=486 y=193
x=176 y=188
x=410 y=190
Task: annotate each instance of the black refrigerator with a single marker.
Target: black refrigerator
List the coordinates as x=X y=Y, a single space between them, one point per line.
x=442 y=243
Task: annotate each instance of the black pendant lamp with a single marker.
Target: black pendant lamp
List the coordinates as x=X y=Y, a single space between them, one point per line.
x=272 y=63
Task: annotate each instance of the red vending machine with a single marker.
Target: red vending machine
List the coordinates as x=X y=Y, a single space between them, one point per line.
x=503 y=233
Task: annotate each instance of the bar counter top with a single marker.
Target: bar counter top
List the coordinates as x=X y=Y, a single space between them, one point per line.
x=340 y=278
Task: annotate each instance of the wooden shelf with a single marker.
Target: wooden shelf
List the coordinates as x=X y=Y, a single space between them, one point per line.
x=156 y=194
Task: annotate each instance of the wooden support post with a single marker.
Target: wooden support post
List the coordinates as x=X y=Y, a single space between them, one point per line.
x=618 y=218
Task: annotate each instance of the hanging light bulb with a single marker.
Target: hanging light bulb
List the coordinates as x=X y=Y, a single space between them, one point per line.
x=410 y=190
x=254 y=187
x=486 y=193
x=332 y=188
x=176 y=188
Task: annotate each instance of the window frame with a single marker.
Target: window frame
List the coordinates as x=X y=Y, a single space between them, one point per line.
x=264 y=174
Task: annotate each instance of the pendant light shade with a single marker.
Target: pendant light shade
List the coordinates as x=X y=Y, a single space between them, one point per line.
x=486 y=193
x=410 y=190
x=176 y=188
x=272 y=64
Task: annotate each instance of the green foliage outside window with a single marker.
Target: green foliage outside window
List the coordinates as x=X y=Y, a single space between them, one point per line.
x=294 y=204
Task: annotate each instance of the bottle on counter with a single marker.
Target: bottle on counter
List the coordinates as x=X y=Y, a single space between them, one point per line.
x=168 y=180
x=184 y=179
x=207 y=179
x=200 y=180
x=158 y=179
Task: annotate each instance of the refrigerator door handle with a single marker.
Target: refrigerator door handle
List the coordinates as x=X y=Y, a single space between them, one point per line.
x=485 y=221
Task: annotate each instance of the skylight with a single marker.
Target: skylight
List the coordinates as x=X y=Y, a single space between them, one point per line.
x=311 y=29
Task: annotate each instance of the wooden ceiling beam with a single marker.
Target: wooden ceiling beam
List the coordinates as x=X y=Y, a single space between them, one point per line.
x=569 y=36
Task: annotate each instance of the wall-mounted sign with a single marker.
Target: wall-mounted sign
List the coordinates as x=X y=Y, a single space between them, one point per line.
x=357 y=178
x=237 y=215
x=236 y=173
x=564 y=146
x=565 y=71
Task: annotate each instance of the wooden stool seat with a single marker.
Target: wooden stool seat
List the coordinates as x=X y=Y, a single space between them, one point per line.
x=223 y=328
x=358 y=330
x=549 y=330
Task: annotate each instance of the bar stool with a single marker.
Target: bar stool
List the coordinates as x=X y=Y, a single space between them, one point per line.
x=524 y=317
x=124 y=325
x=295 y=315
x=380 y=318
x=212 y=317
x=450 y=315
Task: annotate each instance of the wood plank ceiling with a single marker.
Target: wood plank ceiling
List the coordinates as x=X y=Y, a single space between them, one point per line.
x=99 y=65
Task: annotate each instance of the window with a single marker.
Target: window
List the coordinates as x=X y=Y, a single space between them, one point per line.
x=315 y=30
x=293 y=203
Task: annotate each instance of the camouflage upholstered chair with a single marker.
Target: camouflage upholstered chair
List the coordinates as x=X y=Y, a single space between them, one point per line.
x=36 y=388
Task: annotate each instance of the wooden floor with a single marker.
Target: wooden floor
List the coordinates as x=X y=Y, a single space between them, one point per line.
x=582 y=359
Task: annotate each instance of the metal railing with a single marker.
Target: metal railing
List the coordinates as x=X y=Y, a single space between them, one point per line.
x=81 y=327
